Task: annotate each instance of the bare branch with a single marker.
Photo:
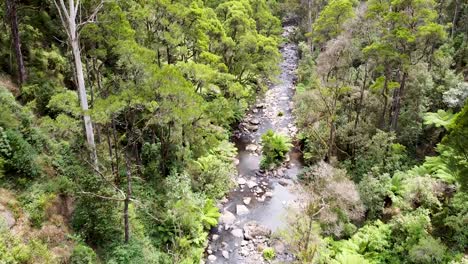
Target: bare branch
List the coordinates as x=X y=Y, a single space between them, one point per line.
x=92 y=17
x=103 y=197
x=63 y=12
x=105 y=179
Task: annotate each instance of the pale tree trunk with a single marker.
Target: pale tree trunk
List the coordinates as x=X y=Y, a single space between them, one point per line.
x=12 y=15
x=68 y=17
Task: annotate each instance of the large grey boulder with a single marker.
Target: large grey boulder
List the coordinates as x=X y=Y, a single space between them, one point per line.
x=254 y=229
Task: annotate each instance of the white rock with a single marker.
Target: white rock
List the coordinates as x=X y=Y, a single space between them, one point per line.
x=251 y=147
x=225 y=254
x=247 y=200
x=241 y=181
x=241 y=209
x=237 y=232
x=254 y=121
x=212 y=258
x=251 y=184
x=261 y=199
x=269 y=194
x=215 y=237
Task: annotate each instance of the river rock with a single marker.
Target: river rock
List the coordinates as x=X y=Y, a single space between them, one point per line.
x=247 y=200
x=284 y=182
x=227 y=218
x=241 y=181
x=279 y=247
x=254 y=121
x=251 y=127
x=225 y=254
x=237 y=232
x=254 y=229
x=251 y=147
x=241 y=209
x=215 y=237
x=251 y=184
x=260 y=105
x=212 y=258
x=269 y=194
x=261 y=198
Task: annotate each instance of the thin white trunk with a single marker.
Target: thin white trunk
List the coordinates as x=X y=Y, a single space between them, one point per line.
x=69 y=22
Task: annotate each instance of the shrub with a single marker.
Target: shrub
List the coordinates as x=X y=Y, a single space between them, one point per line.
x=22 y=157
x=83 y=254
x=269 y=253
x=275 y=147
x=428 y=250
x=137 y=251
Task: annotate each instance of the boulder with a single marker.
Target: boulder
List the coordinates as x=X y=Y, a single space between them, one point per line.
x=241 y=209
x=284 y=182
x=246 y=200
x=251 y=184
x=279 y=247
x=212 y=258
x=251 y=147
x=241 y=181
x=254 y=121
x=254 y=229
x=237 y=232
x=225 y=254
x=227 y=218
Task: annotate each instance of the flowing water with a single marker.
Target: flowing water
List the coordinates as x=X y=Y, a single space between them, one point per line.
x=270 y=193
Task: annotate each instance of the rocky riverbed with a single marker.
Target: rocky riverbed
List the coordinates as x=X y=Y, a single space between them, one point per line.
x=253 y=211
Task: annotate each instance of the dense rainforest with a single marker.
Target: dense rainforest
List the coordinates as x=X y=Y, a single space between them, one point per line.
x=118 y=117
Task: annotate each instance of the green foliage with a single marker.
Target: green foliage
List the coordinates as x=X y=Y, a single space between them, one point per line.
x=275 y=147
x=428 y=250
x=36 y=203
x=330 y=22
x=212 y=173
x=439 y=119
x=269 y=254
x=16 y=251
x=20 y=157
x=82 y=254
x=373 y=191
x=137 y=251
x=380 y=155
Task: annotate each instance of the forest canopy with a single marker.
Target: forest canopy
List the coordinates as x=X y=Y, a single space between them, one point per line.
x=117 y=119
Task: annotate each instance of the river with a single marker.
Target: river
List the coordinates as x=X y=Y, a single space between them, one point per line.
x=260 y=196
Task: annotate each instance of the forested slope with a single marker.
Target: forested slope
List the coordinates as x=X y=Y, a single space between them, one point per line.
x=116 y=119
x=130 y=172
x=381 y=98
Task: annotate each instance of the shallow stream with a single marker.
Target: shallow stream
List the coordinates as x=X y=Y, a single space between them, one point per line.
x=260 y=196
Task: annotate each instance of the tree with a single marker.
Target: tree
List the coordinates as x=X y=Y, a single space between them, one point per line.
x=69 y=16
x=409 y=33
x=12 y=14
